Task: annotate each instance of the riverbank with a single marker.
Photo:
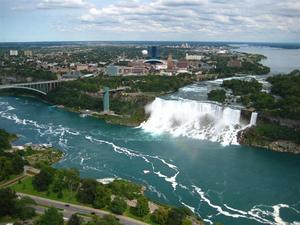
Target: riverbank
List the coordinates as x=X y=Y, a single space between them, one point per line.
x=67 y=186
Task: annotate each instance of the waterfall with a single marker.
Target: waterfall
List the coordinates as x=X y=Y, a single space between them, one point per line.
x=199 y=120
x=253 y=118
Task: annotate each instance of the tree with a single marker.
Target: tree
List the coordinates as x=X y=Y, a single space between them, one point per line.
x=5 y=140
x=87 y=191
x=51 y=217
x=160 y=216
x=217 y=95
x=5 y=167
x=74 y=220
x=142 y=207
x=17 y=164
x=175 y=217
x=23 y=210
x=72 y=179
x=7 y=202
x=102 y=197
x=118 y=205
x=42 y=180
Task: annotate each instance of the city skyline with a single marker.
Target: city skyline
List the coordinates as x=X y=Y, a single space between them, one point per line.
x=143 y=20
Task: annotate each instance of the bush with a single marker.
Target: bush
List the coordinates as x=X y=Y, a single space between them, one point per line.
x=160 y=216
x=118 y=206
x=142 y=207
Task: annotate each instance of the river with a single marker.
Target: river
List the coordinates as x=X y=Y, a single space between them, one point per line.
x=181 y=154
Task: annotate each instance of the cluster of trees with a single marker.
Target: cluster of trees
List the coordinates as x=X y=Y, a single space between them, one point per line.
x=88 y=191
x=173 y=216
x=12 y=206
x=287 y=87
x=83 y=93
x=21 y=71
x=52 y=216
x=251 y=66
x=242 y=87
x=112 y=196
x=10 y=164
x=218 y=95
x=266 y=132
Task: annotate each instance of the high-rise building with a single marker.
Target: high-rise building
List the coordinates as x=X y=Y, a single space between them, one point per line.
x=170 y=64
x=13 y=52
x=154 y=52
x=28 y=53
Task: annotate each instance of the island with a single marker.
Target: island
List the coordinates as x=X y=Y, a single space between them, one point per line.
x=278 y=110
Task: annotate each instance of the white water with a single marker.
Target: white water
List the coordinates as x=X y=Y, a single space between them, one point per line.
x=253 y=118
x=194 y=119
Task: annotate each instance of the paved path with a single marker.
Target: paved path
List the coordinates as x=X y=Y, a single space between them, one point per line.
x=70 y=209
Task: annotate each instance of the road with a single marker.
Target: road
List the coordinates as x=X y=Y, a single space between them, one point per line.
x=69 y=209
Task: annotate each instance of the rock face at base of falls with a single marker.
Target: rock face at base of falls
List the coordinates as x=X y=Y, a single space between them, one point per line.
x=245 y=137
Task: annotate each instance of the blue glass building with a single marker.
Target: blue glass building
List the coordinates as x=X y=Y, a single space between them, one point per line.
x=154 y=52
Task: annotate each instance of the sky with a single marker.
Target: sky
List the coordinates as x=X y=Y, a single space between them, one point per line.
x=145 y=20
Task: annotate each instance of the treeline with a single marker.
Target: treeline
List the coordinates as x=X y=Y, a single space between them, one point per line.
x=252 y=66
x=287 y=87
x=14 y=207
x=150 y=83
x=112 y=197
x=84 y=93
x=24 y=71
x=10 y=164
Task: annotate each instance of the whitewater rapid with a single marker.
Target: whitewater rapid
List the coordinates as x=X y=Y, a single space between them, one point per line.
x=195 y=119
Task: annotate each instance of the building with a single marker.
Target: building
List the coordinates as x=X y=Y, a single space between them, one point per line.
x=193 y=57
x=112 y=70
x=170 y=63
x=234 y=63
x=72 y=74
x=13 y=52
x=81 y=67
x=28 y=53
x=154 y=52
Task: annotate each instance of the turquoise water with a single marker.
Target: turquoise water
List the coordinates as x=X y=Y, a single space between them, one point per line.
x=230 y=184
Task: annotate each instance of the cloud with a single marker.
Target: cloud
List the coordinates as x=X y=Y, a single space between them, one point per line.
x=214 y=17
x=59 y=4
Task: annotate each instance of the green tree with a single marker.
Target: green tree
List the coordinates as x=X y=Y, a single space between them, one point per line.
x=102 y=197
x=217 y=95
x=160 y=216
x=51 y=217
x=175 y=217
x=42 y=180
x=118 y=206
x=7 y=202
x=5 y=167
x=87 y=191
x=142 y=207
x=74 y=220
x=24 y=210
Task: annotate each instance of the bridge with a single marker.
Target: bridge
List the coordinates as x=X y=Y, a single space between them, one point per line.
x=42 y=87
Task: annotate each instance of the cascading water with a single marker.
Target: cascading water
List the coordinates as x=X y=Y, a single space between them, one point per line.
x=194 y=119
x=253 y=118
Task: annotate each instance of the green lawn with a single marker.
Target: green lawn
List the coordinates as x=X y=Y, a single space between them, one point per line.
x=26 y=187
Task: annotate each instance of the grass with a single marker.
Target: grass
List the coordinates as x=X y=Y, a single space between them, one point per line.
x=25 y=186
x=11 y=177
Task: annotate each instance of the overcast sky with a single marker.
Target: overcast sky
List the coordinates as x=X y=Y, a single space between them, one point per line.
x=156 y=20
